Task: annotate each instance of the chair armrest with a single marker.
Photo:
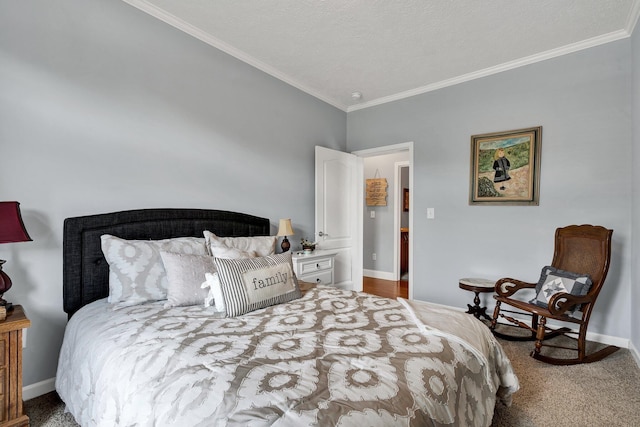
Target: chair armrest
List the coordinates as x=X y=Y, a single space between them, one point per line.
x=562 y=302
x=506 y=287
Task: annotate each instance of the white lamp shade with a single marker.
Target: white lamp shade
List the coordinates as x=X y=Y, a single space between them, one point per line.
x=285 y=228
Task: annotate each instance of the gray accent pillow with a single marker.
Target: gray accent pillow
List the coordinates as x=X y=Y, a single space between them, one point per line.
x=136 y=272
x=553 y=281
x=248 y=284
x=185 y=274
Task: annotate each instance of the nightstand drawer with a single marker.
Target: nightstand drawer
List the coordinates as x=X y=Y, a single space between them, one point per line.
x=316 y=268
x=311 y=266
x=320 y=278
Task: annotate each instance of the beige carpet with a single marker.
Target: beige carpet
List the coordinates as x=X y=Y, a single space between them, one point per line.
x=605 y=393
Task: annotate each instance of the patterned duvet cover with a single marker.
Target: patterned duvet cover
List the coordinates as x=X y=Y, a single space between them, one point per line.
x=331 y=358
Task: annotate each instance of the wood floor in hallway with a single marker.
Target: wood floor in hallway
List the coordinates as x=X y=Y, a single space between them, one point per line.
x=386 y=288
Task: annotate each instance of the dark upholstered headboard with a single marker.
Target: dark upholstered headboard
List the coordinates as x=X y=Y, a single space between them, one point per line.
x=86 y=272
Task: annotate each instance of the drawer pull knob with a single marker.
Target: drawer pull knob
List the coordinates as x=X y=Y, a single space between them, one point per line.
x=318 y=281
x=317 y=265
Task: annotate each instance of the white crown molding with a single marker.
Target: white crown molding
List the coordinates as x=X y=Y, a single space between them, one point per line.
x=181 y=25
x=633 y=17
x=174 y=21
x=554 y=53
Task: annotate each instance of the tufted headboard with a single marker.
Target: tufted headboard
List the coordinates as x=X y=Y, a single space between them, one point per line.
x=85 y=270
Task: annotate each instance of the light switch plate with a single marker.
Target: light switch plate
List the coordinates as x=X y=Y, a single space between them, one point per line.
x=431 y=213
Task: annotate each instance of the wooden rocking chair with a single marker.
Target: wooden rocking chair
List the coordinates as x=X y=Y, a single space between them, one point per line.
x=582 y=249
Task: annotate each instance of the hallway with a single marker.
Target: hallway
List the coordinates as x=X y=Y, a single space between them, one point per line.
x=386 y=288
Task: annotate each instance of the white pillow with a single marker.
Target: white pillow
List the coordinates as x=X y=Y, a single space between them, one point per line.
x=136 y=272
x=215 y=292
x=220 y=250
x=260 y=245
x=248 y=284
x=185 y=274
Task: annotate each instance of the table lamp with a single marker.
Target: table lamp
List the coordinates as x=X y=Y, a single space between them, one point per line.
x=285 y=230
x=11 y=230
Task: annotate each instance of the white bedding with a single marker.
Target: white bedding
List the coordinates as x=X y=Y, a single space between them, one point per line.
x=332 y=357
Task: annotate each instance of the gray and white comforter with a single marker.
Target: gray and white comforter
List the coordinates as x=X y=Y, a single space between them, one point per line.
x=331 y=358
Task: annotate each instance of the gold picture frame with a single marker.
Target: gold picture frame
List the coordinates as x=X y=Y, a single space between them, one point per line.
x=505 y=167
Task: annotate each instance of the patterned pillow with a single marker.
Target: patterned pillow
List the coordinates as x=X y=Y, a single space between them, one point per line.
x=553 y=280
x=136 y=272
x=252 y=283
x=260 y=245
x=185 y=274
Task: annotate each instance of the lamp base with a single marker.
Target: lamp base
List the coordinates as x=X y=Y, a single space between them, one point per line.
x=5 y=285
x=285 y=245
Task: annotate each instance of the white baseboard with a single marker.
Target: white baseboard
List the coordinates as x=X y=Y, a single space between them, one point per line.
x=384 y=275
x=609 y=340
x=591 y=336
x=634 y=352
x=38 y=389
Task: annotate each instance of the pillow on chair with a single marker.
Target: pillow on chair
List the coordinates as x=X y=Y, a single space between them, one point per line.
x=553 y=280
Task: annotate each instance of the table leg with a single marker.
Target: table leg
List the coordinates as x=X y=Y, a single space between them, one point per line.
x=476 y=310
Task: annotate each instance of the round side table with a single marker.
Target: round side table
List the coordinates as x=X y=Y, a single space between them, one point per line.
x=476 y=286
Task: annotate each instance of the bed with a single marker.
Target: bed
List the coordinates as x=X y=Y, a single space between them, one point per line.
x=327 y=357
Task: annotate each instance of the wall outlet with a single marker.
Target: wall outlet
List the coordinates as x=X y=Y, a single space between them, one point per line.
x=373 y=214
x=373 y=256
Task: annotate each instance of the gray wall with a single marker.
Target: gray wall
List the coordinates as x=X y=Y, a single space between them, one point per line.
x=635 y=255
x=583 y=102
x=104 y=108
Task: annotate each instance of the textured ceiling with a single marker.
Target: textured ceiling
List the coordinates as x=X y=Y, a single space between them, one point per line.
x=391 y=49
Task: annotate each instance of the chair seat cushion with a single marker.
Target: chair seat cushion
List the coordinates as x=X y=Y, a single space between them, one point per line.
x=553 y=281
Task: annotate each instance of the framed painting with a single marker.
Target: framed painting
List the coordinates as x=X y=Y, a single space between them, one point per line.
x=505 y=167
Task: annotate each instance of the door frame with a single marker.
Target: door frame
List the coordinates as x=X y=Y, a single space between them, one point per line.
x=388 y=149
x=397 y=213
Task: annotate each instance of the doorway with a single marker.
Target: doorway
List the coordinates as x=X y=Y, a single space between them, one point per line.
x=381 y=242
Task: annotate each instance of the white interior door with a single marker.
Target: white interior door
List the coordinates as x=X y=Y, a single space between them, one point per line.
x=338 y=213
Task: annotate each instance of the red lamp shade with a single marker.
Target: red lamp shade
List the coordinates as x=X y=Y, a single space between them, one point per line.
x=11 y=225
x=11 y=230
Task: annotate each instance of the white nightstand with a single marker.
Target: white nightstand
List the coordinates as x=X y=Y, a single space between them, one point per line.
x=316 y=267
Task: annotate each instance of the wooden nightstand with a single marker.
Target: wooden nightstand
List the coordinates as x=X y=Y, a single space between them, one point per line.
x=11 y=410
x=316 y=267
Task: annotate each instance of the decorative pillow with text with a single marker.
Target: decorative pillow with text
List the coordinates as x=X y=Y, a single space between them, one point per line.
x=252 y=283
